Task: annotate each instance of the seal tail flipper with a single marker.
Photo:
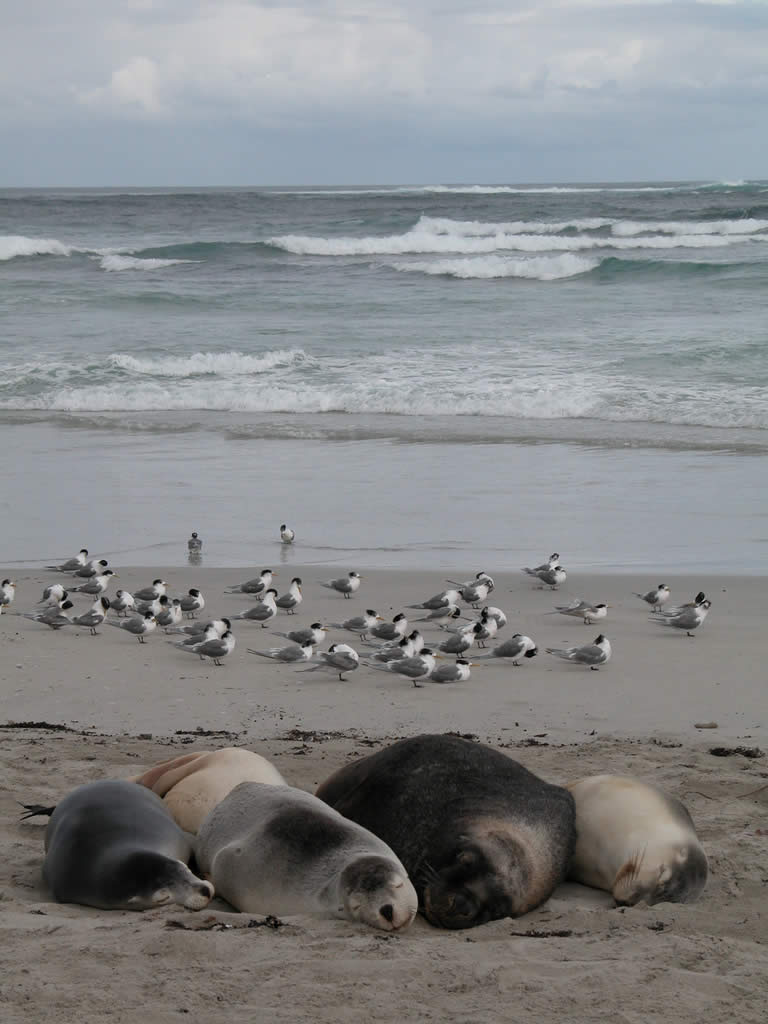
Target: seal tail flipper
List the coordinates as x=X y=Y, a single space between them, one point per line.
x=33 y=810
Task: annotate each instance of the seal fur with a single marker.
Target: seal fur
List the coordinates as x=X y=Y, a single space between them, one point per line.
x=193 y=784
x=480 y=835
x=279 y=850
x=636 y=841
x=114 y=845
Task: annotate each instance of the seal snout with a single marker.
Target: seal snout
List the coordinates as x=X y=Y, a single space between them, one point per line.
x=200 y=897
x=387 y=912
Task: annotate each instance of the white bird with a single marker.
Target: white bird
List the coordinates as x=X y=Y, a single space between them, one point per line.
x=55 y=616
x=171 y=615
x=517 y=647
x=72 y=564
x=346 y=585
x=549 y=577
x=158 y=589
x=656 y=597
x=585 y=610
x=139 y=626
x=123 y=603
x=95 y=586
x=208 y=632
x=314 y=634
x=487 y=630
x=457 y=673
x=684 y=618
x=290 y=655
x=498 y=614
x=416 y=667
x=286 y=534
x=442 y=616
x=94 y=616
x=156 y=606
x=262 y=612
x=592 y=655
x=216 y=648
x=95 y=567
x=194 y=543
x=551 y=562
x=460 y=642
x=359 y=623
x=695 y=603
x=259 y=585
x=220 y=626
x=440 y=601
x=192 y=602
x=53 y=595
x=7 y=593
x=404 y=648
x=340 y=658
x=291 y=600
x=392 y=631
x=475 y=591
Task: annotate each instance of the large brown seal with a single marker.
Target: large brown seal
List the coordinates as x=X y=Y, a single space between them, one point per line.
x=635 y=841
x=480 y=835
x=279 y=850
x=114 y=845
x=193 y=784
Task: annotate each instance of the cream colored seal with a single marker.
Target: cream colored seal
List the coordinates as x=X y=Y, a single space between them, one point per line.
x=279 y=850
x=193 y=784
x=635 y=841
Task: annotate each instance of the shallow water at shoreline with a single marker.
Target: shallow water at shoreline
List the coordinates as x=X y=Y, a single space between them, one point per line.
x=135 y=497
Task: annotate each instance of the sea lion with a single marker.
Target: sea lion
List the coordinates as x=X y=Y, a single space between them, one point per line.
x=635 y=841
x=114 y=845
x=480 y=835
x=193 y=784
x=279 y=850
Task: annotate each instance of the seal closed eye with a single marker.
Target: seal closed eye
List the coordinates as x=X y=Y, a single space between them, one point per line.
x=279 y=850
x=114 y=845
x=480 y=835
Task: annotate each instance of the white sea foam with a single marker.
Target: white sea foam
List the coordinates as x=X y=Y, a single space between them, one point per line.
x=479 y=228
x=19 y=245
x=209 y=363
x=115 y=262
x=538 y=268
x=743 y=226
x=421 y=239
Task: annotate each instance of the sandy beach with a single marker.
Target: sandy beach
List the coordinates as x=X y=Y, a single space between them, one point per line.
x=126 y=706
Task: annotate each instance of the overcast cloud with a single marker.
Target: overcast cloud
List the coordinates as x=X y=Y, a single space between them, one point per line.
x=163 y=92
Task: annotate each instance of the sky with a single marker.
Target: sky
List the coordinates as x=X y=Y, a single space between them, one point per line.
x=229 y=92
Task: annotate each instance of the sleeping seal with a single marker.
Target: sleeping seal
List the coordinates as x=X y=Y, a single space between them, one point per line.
x=481 y=836
x=112 y=844
x=279 y=850
x=192 y=785
x=635 y=841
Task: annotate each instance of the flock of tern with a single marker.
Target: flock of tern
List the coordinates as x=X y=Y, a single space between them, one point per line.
x=390 y=646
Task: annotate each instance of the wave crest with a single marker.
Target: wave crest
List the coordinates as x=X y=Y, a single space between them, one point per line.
x=209 y=363
x=537 y=268
x=12 y=246
x=115 y=262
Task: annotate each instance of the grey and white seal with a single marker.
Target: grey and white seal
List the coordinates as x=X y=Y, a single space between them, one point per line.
x=114 y=845
x=279 y=850
x=635 y=841
x=480 y=835
x=193 y=784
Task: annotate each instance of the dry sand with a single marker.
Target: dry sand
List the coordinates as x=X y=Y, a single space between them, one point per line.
x=582 y=960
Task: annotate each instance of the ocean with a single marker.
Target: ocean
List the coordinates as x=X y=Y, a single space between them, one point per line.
x=443 y=375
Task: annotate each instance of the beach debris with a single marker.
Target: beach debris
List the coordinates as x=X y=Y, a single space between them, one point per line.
x=754 y=752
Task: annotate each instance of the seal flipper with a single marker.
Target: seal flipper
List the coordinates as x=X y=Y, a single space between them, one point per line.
x=33 y=810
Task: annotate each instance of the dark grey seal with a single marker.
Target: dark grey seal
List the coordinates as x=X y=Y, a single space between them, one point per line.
x=480 y=836
x=114 y=845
